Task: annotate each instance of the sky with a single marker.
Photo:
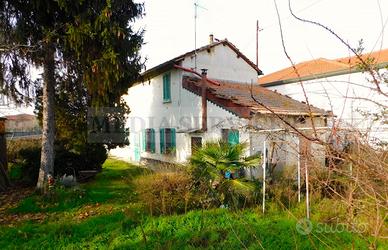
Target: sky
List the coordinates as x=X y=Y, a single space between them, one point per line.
x=169 y=28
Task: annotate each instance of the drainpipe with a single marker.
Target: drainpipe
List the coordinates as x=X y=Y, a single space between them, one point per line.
x=204 y=100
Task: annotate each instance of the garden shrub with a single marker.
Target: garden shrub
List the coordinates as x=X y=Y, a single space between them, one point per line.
x=25 y=153
x=215 y=167
x=165 y=193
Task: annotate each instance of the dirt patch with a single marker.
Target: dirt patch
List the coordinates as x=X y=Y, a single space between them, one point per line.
x=10 y=199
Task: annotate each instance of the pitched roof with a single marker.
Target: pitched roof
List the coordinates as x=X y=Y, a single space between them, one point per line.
x=322 y=67
x=170 y=63
x=380 y=57
x=236 y=98
x=20 y=117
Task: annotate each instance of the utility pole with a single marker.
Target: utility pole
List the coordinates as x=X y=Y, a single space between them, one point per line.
x=257 y=42
x=196 y=6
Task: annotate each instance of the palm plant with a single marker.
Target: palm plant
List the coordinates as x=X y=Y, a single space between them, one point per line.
x=209 y=165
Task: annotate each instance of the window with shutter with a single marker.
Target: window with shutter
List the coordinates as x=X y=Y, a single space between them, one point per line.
x=231 y=136
x=149 y=140
x=167 y=87
x=167 y=140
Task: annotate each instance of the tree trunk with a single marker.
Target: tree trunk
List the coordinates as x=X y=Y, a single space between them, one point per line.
x=47 y=154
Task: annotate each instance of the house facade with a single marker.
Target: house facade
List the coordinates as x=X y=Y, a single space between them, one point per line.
x=174 y=109
x=341 y=86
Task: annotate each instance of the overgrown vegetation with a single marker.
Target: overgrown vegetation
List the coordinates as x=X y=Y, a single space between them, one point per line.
x=216 y=169
x=106 y=213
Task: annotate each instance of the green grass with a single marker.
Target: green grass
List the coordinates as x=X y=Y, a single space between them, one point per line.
x=120 y=223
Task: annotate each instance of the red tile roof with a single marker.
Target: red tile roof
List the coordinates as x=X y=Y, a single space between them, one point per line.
x=20 y=117
x=379 y=57
x=236 y=98
x=321 y=67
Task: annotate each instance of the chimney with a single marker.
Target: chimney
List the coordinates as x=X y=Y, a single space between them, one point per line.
x=204 y=99
x=211 y=39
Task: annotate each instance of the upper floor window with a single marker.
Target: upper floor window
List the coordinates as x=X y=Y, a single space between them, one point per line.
x=167 y=87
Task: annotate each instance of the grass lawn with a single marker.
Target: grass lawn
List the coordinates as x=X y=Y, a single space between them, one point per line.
x=105 y=214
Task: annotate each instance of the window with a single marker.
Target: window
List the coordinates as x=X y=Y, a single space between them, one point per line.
x=167 y=87
x=231 y=136
x=167 y=140
x=196 y=143
x=149 y=140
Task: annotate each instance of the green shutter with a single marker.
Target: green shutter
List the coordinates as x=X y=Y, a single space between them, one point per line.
x=164 y=88
x=173 y=138
x=167 y=87
x=152 y=140
x=233 y=137
x=144 y=134
x=162 y=148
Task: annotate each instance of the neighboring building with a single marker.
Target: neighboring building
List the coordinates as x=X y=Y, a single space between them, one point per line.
x=174 y=110
x=22 y=125
x=340 y=86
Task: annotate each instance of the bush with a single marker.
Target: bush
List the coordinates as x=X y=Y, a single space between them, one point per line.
x=25 y=153
x=14 y=147
x=165 y=193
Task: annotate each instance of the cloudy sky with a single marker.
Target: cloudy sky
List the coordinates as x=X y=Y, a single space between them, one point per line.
x=169 y=26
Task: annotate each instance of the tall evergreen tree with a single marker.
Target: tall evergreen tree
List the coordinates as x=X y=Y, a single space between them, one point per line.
x=92 y=39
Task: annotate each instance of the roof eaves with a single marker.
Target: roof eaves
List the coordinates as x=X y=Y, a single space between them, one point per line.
x=310 y=77
x=246 y=59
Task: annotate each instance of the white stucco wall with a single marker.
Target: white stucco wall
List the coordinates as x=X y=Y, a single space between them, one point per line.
x=223 y=64
x=347 y=96
x=183 y=113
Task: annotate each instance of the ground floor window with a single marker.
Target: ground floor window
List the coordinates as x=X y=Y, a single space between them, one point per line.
x=196 y=143
x=167 y=140
x=149 y=140
x=231 y=136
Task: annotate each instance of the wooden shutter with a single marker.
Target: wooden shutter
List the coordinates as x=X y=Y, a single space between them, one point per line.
x=233 y=137
x=173 y=138
x=167 y=87
x=162 y=146
x=152 y=142
x=143 y=139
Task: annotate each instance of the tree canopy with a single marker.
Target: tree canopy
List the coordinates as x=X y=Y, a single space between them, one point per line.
x=91 y=43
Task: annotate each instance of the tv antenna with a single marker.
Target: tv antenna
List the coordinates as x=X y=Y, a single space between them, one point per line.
x=196 y=6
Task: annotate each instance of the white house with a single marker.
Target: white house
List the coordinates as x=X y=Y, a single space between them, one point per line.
x=174 y=109
x=341 y=86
